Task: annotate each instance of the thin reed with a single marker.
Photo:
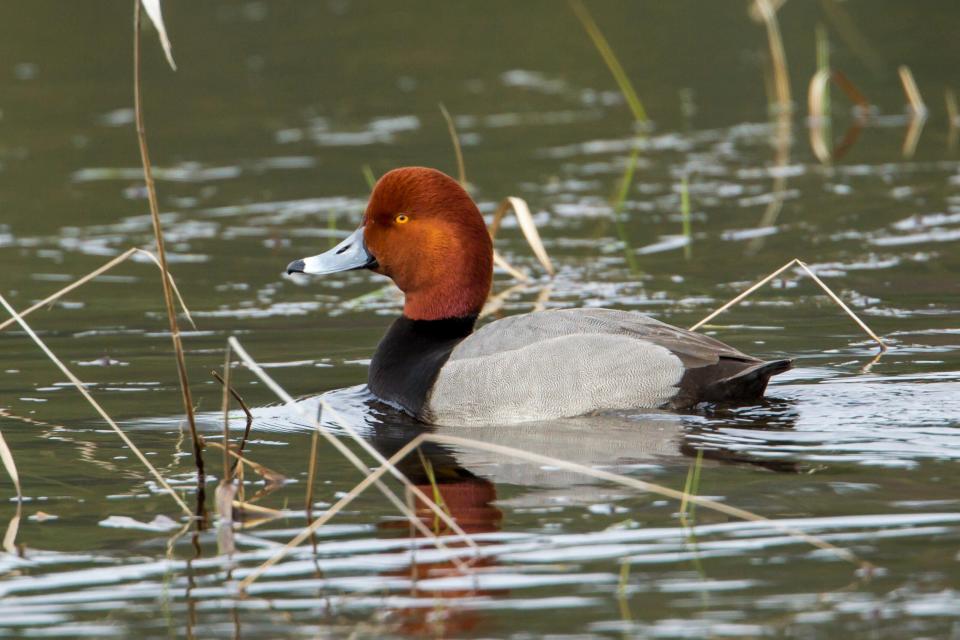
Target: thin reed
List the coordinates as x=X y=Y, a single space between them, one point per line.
x=610 y=58
x=911 y=91
x=766 y=12
x=161 y=251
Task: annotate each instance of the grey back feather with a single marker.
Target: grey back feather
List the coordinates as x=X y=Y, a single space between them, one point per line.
x=515 y=332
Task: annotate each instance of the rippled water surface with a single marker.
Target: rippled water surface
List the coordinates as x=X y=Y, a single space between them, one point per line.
x=260 y=142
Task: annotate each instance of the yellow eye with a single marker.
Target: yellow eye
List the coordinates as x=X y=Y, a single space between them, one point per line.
x=402 y=218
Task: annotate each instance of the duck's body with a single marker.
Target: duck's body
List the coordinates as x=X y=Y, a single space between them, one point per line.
x=556 y=364
x=536 y=366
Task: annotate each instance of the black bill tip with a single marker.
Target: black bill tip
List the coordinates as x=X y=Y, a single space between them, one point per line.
x=297 y=266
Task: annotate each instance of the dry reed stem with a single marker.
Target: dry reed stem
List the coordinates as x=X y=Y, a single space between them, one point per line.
x=271 y=476
x=457 y=150
x=912 y=137
x=311 y=471
x=910 y=89
x=816 y=99
x=347 y=453
x=767 y=11
x=162 y=255
x=821 y=283
x=256 y=508
x=334 y=509
x=610 y=58
x=10 y=535
x=96 y=405
x=6 y=456
x=515 y=273
x=642 y=485
x=93 y=274
x=225 y=405
x=953 y=114
x=529 y=228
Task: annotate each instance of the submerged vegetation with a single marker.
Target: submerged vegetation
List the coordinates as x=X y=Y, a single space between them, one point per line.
x=262 y=554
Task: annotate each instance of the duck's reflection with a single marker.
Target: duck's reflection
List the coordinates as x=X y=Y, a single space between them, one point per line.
x=465 y=481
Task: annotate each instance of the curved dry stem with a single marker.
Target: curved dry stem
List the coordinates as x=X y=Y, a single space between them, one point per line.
x=767 y=11
x=96 y=405
x=529 y=228
x=816 y=103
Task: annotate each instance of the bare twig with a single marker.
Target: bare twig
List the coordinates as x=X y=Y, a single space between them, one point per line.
x=162 y=255
x=86 y=394
x=243 y=406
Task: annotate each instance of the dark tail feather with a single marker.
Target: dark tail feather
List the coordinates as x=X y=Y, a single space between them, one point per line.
x=748 y=384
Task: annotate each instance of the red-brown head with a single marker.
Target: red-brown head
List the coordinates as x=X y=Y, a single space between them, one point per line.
x=422 y=230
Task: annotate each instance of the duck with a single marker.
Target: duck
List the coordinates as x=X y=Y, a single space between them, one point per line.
x=422 y=230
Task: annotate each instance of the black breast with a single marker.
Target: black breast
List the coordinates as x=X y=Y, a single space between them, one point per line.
x=410 y=356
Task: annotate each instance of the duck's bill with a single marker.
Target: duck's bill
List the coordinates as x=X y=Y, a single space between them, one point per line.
x=350 y=254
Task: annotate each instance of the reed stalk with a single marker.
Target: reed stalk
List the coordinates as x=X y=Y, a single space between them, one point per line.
x=766 y=11
x=162 y=255
x=610 y=58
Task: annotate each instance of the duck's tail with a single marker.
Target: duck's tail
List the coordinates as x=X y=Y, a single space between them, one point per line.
x=747 y=384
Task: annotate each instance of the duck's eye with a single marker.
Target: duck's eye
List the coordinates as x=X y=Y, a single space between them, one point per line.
x=402 y=218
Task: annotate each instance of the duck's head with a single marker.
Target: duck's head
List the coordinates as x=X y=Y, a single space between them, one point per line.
x=423 y=231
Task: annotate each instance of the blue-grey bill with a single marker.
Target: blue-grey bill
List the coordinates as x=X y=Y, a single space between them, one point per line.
x=350 y=254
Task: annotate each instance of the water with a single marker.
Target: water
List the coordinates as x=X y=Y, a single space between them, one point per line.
x=260 y=140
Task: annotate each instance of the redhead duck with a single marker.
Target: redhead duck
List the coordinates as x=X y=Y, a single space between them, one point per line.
x=423 y=231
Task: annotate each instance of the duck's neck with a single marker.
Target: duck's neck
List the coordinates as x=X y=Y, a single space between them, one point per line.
x=410 y=356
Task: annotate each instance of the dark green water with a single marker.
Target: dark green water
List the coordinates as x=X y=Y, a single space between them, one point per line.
x=259 y=141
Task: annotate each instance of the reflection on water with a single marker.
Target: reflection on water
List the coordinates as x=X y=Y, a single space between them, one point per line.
x=260 y=145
